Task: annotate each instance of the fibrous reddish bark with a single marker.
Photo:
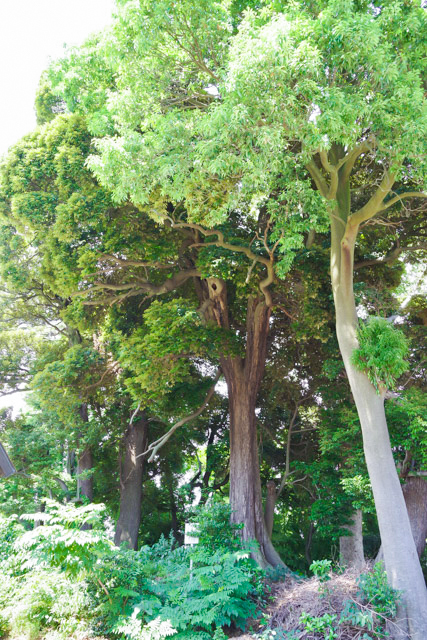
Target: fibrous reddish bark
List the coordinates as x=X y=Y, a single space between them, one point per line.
x=243 y=376
x=131 y=472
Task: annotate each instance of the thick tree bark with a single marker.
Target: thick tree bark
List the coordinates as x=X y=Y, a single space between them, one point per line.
x=400 y=555
x=131 y=472
x=415 y=494
x=243 y=377
x=245 y=482
x=351 y=546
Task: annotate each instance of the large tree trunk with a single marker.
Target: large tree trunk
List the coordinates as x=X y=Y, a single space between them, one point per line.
x=270 y=504
x=84 y=474
x=243 y=377
x=400 y=555
x=245 y=482
x=85 y=465
x=415 y=494
x=131 y=472
x=351 y=546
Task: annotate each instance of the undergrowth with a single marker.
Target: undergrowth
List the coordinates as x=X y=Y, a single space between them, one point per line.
x=60 y=580
x=333 y=606
x=63 y=581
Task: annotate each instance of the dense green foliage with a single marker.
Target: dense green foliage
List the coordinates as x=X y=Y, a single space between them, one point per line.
x=66 y=579
x=382 y=353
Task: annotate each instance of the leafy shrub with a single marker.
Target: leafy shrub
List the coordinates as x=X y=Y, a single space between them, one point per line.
x=196 y=590
x=10 y=530
x=63 y=541
x=214 y=528
x=375 y=590
x=46 y=600
x=321 y=624
x=382 y=352
x=69 y=579
x=321 y=569
x=355 y=616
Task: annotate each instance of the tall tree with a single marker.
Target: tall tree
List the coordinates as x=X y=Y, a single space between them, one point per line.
x=314 y=113
x=349 y=123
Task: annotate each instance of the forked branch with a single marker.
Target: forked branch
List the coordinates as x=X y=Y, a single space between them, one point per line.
x=157 y=444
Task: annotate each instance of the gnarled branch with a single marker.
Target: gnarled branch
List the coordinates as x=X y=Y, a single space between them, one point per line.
x=221 y=242
x=140 y=287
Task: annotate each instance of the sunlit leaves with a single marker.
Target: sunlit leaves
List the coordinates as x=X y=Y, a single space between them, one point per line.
x=382 y=353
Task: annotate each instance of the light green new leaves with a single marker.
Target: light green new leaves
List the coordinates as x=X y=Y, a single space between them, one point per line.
x=61 y=541
x=64 y=384
x=382 y=353
x=224 y=121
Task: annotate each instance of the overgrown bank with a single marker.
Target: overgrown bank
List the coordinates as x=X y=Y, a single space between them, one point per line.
x=64 y=579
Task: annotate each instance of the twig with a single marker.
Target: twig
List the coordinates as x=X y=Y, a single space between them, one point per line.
x=104 y=588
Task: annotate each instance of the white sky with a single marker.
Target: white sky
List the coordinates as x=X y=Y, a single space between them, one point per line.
x=31 y=33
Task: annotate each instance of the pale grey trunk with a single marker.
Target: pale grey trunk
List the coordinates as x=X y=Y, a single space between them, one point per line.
x=131 y=472
x=85 y=464
x=415 y=494
x=85 y=475
x=351 y=546
x=400 y=554
x=270 y=504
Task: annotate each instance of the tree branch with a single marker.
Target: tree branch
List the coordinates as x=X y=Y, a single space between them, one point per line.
x=333 y=172
x=157 y=444
x=374 y=204
x=392 y=256
x=140 y=287
x=350 y=158
x=125 y=262
x=220 y=242
x=319 y=180
x=10 y=393
x=409 y=194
